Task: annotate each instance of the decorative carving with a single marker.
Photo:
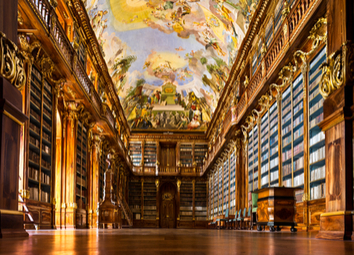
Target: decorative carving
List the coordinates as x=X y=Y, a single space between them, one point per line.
x=19 y=18
x=11 y=63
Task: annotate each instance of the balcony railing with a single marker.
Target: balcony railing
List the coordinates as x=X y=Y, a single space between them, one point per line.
x=48 y=18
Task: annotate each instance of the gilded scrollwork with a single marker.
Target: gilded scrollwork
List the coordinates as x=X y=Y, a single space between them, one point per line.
x=11 y=63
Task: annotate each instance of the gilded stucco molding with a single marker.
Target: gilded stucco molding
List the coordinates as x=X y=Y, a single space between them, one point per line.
x=11 y=63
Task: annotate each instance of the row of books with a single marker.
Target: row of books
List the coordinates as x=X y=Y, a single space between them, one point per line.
x=37 y=73
x=286 y=169
x=316 y=120
x=81 y=193
x=299 y=107
x=274 y=176
x=298 y=133
x=318 y=173
x=274 y=162
x=34 y=128
x=318 y=191
x=33 y=173
x=286 y=130
x=273 y=150
x=47 y=86
x=48 y=113
x=316 y=106
x=34 y=157
x=81 y=181
x=285 y=111
x=317 y=138
x=35 y=102
x=264 y=180
x=286 y=118
x=35 y=115
x=298 y=148
x=286 y=155
x=297 y=90
x=314 y=94
x=298 y=98
x=299 y=180
x=287 y=183
x=298 y=164
x=45 y=178
x=47 y=125
x=264 y=168
x=47 y=98
x=34 y=141
x=318 y=155
x=45 y=148
x=45 y=164
x=298 y=120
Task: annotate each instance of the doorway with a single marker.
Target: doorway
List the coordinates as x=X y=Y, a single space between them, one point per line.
x=168 y=206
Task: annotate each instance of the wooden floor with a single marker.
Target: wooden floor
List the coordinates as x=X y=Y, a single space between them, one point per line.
x=171 y=241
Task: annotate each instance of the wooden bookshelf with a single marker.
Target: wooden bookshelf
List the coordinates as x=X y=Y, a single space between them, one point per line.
x=250 y=160
x=81 y=175
x=149 y=200
x=200 y=201
x=136 y=153
x=220 y=187
x=316 y=136
x=135 y=198
x=103 y=167
x=273 y=146
x=215 y=193
x=186 y=155
x=225 y=185
x=186 y=201
x=232 y=182
x=150 y=154
x=40 y=154
x=40 y=138
x=265 y=150
x=199 y=153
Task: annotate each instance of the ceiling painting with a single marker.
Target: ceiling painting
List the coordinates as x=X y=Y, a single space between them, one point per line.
x=169 y=60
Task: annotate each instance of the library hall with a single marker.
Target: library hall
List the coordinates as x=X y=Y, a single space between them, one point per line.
x=177 y=127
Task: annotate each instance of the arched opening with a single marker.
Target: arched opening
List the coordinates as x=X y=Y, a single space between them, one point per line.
x=168 y=205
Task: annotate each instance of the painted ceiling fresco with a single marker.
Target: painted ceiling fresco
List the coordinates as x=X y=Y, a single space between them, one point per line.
x=169 y=60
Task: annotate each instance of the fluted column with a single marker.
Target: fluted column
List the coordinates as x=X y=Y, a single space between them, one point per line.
x=94 y=171
x=69 y=205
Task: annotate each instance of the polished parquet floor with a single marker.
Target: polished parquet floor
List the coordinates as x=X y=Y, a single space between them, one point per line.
x=171 y=241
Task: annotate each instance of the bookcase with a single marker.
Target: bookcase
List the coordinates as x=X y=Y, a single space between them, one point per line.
x=273 y=146
x=149 y=200
x=220 y=180
x=150 y=150
x=232 y=182
x=316 y=136
x=135 y=198
x=210 y=199
x=103 y=166
x=250 y=160
x=200 y=201
x=265 y=150
x=136 y=153
x=186 y=155
x=199 y=153
x=226 y=186
x=186 y=201
x=81 y=166
x=215 y=193
x=253 y=159
x=40 y=138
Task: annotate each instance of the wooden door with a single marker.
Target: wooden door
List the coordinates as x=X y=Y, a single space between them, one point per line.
x=168 y=214
x=168 y=206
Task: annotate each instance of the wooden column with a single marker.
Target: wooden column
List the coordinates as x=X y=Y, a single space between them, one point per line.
x=69 y=203
x=193 y=201
x=178 y=198
x=94 y=179
x=336 y=86
x=306 y=196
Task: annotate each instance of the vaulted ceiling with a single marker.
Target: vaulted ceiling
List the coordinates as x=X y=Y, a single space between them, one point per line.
x=169 y=60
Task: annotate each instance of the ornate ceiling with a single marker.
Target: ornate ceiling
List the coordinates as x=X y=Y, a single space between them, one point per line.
x=170 y=60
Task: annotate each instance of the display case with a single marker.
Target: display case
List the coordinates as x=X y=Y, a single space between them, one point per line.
x=186 y=201
x=200 y=201
x=149 y=200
